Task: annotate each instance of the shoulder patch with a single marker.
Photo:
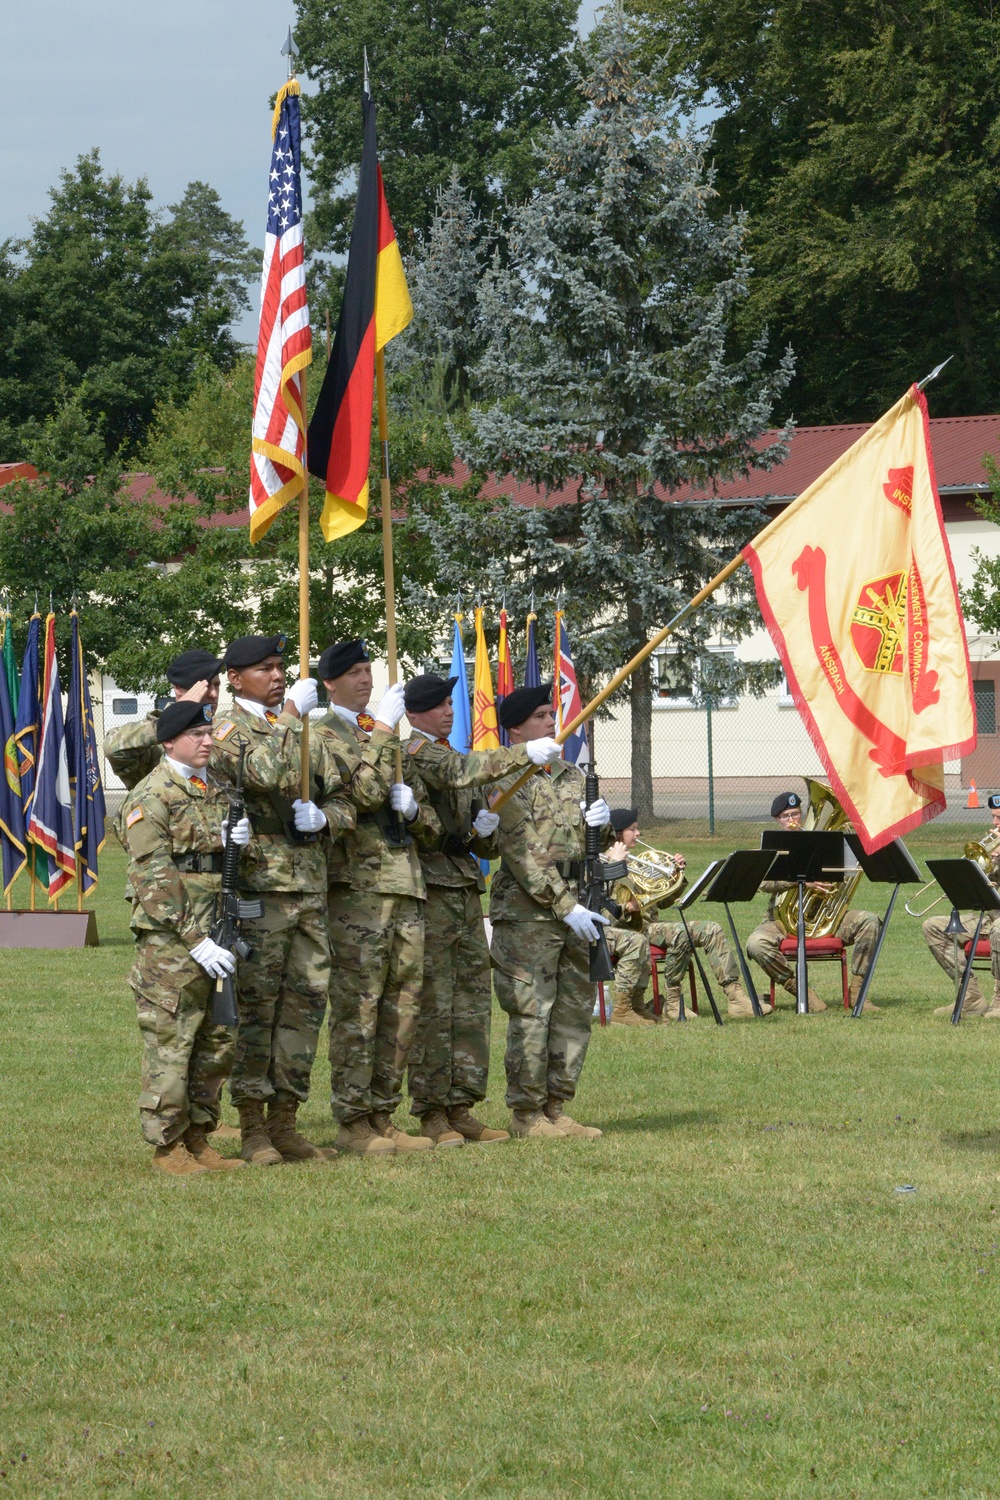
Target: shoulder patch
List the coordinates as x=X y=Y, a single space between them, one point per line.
x=223 y=729
x=134 y=816
x=495 y=795
x=416 y=745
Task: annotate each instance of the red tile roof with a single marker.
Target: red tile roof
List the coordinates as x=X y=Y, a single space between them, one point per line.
x=10 y=472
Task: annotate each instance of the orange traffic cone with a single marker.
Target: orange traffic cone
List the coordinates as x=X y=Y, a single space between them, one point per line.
x=973 y=798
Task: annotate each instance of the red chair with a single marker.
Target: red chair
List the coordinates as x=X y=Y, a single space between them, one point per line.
x=819 y=950
x=656 y=957
x=983 y=958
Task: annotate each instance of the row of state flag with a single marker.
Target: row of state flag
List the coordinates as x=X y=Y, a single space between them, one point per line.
x=476 y=726
x=52 y=811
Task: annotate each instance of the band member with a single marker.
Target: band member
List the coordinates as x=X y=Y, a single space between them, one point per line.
x=942 y=945
x=132 y=750
x=449 y=1060
x=173 y=829
x=859 y=929
x=541 y=930
x=632 y=967
x=375 y=909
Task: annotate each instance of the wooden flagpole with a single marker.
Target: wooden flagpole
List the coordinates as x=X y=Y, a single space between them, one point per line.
x=626 y=671
x=304 y=594
x=390 y=580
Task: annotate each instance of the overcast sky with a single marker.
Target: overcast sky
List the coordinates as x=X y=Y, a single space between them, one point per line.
x=174 y=91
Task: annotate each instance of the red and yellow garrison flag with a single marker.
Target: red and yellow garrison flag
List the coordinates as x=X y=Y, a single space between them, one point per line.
x=375 y=308
x=485 y=732
x=856 y=586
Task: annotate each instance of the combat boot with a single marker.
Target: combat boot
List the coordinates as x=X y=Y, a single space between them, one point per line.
x=975 y=1003
x=196 y=1141
x=535 y=1125
x=436 y=1126
x=177 y=1160
x=381 y=1122
x=672 y=1005
x=226 y=1132
x=256 y=1145
x=740 y=1004
x=556 y=1115
x=815 y=1003
x=286 y=1139
x=622 y=1013
x=359 y=1137
x=461 y=1118
x=993 y=1012
x=856 y=984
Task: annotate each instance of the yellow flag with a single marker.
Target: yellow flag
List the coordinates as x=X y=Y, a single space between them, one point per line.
x=485 y=732
x=857 y=589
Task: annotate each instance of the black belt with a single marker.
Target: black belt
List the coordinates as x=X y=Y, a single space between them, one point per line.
x=199 y=864
x=455 y=845
x=569 y=869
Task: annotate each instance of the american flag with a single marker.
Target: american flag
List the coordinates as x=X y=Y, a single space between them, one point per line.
x=284 y=341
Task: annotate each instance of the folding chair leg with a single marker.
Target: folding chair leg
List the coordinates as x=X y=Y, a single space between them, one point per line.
x=655 y=971
x=844 y=980
x=693 y=986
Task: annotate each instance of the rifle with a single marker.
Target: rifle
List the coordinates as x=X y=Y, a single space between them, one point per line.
x=597 y=878
x=230 y=908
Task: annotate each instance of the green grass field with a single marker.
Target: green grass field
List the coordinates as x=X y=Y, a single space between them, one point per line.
x=725 y=1297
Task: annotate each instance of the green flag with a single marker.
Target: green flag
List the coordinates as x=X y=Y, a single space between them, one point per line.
x=9 y=664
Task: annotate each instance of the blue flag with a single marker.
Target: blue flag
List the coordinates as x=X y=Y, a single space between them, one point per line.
x=26 y=731
x=50 y=821
x=532 y=676
x=89 y=812
x=11 y=811
x=460 y=738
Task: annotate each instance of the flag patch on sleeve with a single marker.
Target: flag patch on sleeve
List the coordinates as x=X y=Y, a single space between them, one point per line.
x=224 y=729
x=415 y=745
x=135 y=816
x=495 y=795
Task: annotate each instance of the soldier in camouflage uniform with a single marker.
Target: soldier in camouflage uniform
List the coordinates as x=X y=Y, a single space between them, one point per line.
x=375 y=903
x=283 y=986
x=173 y=832
x=449 y=1059
x=541 y=932
x=133 y=750
x=632 y=969
x=859 y=929
x=942 y=945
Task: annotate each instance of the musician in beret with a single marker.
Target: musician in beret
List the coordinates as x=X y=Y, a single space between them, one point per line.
x=859 y=929
x=942 y=944
x=541 y=930
x=449 y=1059
x=173 y=828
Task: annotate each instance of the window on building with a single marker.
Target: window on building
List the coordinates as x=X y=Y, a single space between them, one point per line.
x=161 y=703
x=123 y=708
x=985 y=690
x=682 y=683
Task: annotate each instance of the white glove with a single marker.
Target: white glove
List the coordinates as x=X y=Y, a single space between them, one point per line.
x=582 y=922
x=486 y=823
x=401 y=799
x=241 y=833
x=543 y=752
x=216 y=961
x=391 y=707
x=597 y=815
x=303 y=695
x=308 y=818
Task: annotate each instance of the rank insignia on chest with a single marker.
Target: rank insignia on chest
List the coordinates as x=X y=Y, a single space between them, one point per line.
x=224 y=729
x=135 y=816
x=366 y=722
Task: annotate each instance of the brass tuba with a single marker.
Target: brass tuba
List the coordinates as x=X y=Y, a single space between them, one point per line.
x=823 y=912
x=653 y=879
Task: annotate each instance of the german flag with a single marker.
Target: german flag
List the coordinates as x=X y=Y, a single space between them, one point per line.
x=375 y=308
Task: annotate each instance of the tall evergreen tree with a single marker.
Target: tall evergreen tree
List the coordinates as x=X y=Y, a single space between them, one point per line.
x=614 y=379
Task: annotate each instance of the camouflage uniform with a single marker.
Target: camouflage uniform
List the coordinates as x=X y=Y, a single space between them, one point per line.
x=630 y=949
x=859 y=929
x=283 y=986
x=375 y=904
x=133 y=750
x=169 y=822
x=943 y=947
x=450 y=1056
x=541 y=967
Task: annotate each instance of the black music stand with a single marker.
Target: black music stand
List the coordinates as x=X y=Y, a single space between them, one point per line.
x=802 y=858
x=893 y=865
x=968 y=889
x=738 y=878
x=689 y=897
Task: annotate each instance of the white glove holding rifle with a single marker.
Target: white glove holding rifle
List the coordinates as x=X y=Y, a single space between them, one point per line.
x=217 y=962
x=584 y=923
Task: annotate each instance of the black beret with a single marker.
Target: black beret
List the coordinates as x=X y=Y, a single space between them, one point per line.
x=177 y=717
x=993 y=802
x=623 y=817
x=783 y=802
x=427 y=691
x=521 y=704
x=191 y=666
x=341 y=657
x=249 y=650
